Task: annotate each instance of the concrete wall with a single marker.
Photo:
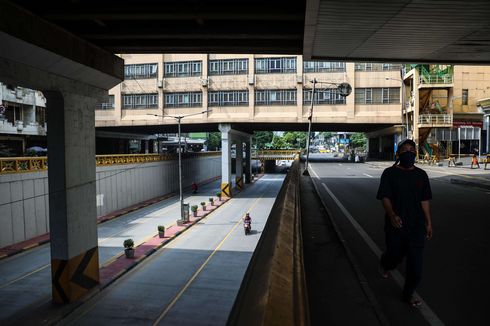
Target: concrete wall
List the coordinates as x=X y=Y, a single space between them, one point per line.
x=24 y=210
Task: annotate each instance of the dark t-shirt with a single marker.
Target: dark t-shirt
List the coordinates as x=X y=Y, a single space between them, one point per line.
x=406 y=189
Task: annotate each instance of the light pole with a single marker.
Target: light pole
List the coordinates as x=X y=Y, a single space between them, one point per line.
x=344 y=90
x=404 y=126
x=179 y=119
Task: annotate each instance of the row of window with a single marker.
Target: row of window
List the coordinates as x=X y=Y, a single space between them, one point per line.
x=262 y=97
x=240 y=67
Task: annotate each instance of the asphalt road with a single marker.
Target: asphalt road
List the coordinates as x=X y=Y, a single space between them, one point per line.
x=455 y=283
x=195 y=278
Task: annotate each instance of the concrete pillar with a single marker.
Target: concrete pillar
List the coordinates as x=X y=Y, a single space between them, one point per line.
x=225 y=159
x=146 y=143
x=72 y=204
x=248 y=161
x=239 y=165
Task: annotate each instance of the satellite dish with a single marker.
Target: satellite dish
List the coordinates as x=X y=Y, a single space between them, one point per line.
x=344 y=89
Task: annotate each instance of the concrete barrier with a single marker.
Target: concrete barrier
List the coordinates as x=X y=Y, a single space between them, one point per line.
x=273 y=291
x=24 y=203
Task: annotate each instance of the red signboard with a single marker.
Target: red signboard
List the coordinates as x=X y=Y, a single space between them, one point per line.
x=459 y=124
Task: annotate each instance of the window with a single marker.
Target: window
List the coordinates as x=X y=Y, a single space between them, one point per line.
x=141 y=71
x=323 y=96
x=139 y=101
x=183 y=100
x=182 y=69
x=385 y=95
x=369 y=66
x=275 y=65
x=228 y=67
x=275 y=97
x=323 y=66
x=228 y=98
x=464 y=97
x=108 y=105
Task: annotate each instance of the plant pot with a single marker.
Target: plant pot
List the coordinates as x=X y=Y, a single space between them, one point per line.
x=194 y=214
x=161 y=234
x=203 y=208
x=129 y=253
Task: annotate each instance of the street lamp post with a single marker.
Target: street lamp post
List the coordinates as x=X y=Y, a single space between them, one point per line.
x=179 y=119
x=344 y=90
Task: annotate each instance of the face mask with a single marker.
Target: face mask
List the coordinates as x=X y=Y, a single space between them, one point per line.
x=407 y=159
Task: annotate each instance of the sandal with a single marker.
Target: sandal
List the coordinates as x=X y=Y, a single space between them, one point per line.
x=382 y=272
x=415 y=302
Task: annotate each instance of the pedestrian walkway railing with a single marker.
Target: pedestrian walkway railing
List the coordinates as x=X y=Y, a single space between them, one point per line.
x=36 y=164
x=436 y=119
x=273 y=291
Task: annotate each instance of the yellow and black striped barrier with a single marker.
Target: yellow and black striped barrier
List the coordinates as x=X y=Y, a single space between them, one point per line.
x=74 y=277
x=239 y=183
x=226 y=189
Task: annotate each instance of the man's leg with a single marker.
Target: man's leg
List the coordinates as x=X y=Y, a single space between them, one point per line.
x=395 y=250
x=414 y=268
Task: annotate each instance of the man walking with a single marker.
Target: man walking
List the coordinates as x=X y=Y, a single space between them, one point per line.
x=405 y=193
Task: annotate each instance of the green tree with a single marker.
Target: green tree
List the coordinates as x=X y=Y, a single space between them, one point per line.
x=214 y=141
x=279 y=143
x=358 y=139
x=262 y=138
x=295 y=139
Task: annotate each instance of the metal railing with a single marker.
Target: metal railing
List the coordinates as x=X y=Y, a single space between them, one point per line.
x=35 y=164
x=435 y=79
x=436 y=119
x=275 y=153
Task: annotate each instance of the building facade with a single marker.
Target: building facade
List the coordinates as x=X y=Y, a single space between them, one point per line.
x=249 y=89
x=22 y=119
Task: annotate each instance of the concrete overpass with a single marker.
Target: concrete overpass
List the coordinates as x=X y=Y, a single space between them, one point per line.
x=65 y=49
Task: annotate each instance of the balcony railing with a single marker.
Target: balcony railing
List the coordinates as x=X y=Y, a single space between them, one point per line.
x=435 y=79
x=436 y=119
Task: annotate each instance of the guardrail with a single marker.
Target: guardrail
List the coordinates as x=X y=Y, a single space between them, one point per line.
x=436 y=119
x=36 y=164
x=275 y=153
x=273 y=291
x=434 y=79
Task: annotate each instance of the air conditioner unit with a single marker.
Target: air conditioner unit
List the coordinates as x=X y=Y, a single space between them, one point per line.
x=18 y=93
x=20 y=125
x=299 y=79
x=204 y=82
x=251 y=80
x=160 y=83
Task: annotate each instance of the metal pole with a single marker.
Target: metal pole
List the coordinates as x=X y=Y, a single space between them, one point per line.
x=459 y=144
x=310 y=118
x=180 y=175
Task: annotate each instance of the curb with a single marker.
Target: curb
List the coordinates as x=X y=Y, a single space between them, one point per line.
x=383 y=320
x=154 y=248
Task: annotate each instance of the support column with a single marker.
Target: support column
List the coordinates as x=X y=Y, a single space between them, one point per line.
x=225 y=159
x=248 y=161
x=239 y=165
x=72 y=204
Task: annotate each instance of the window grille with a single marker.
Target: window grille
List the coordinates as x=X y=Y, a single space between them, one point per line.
x=275 y=97
x=228 y=67
x=228 y=98
x=141 y=71
x=183 y=99
x=275 y=65
x=183 y=69
x=139 y=101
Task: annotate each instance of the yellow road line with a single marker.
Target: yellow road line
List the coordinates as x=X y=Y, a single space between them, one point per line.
x=186 y=286
x=24 y=276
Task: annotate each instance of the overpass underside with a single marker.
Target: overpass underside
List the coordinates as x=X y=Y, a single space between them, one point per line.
x=250 y=127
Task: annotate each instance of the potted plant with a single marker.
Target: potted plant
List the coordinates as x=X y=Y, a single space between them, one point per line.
x=218 y=194
x=194 y=210
x=128 y=248
x=211 y=200
x=203 y=204
x=161 y=231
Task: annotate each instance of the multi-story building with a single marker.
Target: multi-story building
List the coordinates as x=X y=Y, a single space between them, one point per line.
x=441 y=109
x=251 y=89
x=22 y=119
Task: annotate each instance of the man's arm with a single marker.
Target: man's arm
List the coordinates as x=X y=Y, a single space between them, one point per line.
x=428 y=220
x=396 y=221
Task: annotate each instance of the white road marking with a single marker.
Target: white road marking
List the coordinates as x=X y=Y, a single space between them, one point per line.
x=425 y=310
x=368 y=175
